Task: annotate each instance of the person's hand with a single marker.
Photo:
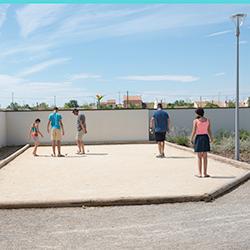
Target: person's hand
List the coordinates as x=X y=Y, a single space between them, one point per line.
x=85 y=131
x=63 y=132
x=48 y=130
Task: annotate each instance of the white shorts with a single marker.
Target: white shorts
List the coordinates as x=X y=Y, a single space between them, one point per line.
x=79 y=135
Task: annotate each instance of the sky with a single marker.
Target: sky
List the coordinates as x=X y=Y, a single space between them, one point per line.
x=160 y=52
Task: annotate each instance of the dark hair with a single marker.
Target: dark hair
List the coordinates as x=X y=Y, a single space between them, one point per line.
x=159 y=105
x=37 y=120
x=75 y=111
x=55 y=108
x=199 y=112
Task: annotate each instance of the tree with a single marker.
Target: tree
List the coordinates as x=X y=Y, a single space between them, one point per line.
x=14 y=106
x=42 y=106
x=71 y=104
x=99 y=98
x=231 y=104
x=211 y=105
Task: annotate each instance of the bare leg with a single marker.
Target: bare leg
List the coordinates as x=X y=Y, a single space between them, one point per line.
x=54 y=147
x=163 y=147
x=35 y=147
x=59 y=147
x=82 y=147
x=200 y=163
x=159 y=147
x=205 y=163
x=78 y=142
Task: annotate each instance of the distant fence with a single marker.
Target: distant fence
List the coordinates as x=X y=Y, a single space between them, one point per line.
x=111 y=125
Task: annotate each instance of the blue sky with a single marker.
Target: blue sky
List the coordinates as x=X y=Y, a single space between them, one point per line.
x=157 y=51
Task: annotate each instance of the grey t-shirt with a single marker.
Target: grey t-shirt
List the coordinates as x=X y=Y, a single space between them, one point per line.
x=80 y=118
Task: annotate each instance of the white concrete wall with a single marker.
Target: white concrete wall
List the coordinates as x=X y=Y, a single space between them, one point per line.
x=3 y=131
x=220 y=118
x=103 y=126
x=112 y=125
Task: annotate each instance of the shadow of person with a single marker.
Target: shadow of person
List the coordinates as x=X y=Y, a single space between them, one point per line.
x=180 y=157
x=101 y=154
x=222 y=177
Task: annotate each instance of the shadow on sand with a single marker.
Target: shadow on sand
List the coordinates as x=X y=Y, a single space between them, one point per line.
x=180 y=157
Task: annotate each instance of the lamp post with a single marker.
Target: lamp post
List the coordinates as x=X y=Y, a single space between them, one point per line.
x=238 y=20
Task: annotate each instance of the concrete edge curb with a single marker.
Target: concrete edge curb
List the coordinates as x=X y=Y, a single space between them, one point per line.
x=105 y=202
x=14 y=155
x=237 y=164
x=227 y=188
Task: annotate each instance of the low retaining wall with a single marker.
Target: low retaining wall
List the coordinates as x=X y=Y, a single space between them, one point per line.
x=111 y=125
x=3 y=130
x=102 y=125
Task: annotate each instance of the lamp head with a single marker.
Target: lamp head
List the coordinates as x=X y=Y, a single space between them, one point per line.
x=238 y=18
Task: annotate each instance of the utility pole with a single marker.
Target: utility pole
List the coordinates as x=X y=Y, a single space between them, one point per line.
x=119 y=97
x=238 y=20
x=54 y=101
x=12 y=97
x=127 y=99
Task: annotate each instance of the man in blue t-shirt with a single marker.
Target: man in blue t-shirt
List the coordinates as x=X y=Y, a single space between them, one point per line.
x=57 y=130
x=160 y=122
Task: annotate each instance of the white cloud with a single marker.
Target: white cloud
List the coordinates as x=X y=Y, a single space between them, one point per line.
x=3 y=13
x=83 y=76
x=219 y=33
x=175 y=78
x=28 y=48
x=220 y=74
x=36 y=16
x=42 y=66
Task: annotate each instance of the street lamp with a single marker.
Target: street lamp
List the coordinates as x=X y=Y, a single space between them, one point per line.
x=238 y=20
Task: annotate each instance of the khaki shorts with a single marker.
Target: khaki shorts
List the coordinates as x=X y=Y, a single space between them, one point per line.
x=56 y=134
x=79 y=135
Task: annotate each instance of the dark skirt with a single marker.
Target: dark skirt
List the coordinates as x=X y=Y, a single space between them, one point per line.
x=160 y=136
x=201 y=143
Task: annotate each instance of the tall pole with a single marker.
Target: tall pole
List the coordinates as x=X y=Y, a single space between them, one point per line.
x=54 y=101
x=12 y=97
x=127 y=100
x=237 y=136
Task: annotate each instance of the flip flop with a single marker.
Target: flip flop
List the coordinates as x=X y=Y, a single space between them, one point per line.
x=206 y=176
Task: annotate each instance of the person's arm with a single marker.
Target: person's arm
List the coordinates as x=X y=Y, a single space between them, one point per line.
x=209 y=131
x=193 y=131
x=61 y=124
x=48 y=126
x=152 y=122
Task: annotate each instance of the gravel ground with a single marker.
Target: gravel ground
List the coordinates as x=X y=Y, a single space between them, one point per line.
x=222 y=224
x=7 y=151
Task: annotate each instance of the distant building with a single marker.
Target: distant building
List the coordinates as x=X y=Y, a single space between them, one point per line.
x=244 y=103
x=109 y=103
x=132 y=101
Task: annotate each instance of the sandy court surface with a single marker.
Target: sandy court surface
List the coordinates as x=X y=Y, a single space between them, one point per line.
x=108 y=172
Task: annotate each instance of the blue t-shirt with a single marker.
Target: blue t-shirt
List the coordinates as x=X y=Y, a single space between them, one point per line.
x=55 y=119
x=161 y=121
